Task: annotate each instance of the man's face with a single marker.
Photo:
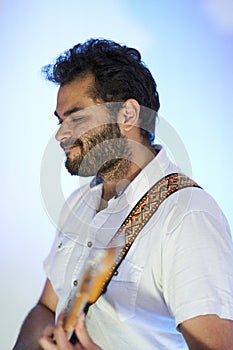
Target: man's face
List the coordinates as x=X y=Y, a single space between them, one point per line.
x=90 y=137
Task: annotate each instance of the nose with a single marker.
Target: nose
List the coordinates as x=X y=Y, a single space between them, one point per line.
x=64 y=132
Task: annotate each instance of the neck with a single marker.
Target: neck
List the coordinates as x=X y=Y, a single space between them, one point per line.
x=141 y=157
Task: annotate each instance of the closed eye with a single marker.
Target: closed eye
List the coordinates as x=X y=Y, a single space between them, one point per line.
x=71 y=119
x=77 y=119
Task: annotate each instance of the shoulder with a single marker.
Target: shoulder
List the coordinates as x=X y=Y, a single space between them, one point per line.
x=192 y=205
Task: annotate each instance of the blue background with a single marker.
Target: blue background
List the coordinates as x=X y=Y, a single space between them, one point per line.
x=187 y=45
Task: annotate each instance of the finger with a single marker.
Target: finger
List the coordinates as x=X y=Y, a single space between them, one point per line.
x=47 y=343
x=78 y=347
x=61 y=339
x=83 y=335
x=48 y=331
x=56 y=333
x=60 y=335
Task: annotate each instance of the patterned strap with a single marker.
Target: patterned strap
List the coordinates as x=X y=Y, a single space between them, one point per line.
x=144 y=210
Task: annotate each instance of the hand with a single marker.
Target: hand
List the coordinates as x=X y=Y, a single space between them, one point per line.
x=57 y=332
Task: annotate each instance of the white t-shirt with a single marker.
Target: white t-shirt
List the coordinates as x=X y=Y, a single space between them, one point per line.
x=180 y=266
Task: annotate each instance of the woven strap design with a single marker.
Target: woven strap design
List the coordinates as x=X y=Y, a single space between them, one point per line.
x=144 y=210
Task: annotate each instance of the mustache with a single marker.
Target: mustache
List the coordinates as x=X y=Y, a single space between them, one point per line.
x=71 y=142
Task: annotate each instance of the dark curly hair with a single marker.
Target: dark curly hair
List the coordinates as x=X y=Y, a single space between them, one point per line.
x=119 y=75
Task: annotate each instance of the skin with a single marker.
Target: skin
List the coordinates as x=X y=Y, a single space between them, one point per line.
x=61 y=341
x=93 y=115
x=207 y=332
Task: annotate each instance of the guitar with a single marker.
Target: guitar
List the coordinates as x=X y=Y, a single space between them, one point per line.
x=92 y=284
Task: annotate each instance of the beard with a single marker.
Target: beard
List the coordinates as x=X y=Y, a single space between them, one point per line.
x=103 y=151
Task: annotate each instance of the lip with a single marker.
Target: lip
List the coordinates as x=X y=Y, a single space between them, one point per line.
x=69 y=148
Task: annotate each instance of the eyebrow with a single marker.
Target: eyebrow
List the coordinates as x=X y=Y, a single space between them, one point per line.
x=69 y=112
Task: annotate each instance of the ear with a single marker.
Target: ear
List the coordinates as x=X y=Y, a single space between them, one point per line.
x=129 y=115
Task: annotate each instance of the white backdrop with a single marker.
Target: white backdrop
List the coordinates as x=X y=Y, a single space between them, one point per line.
x=188 y=47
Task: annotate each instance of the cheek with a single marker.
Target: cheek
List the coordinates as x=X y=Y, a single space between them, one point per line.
x=87 y=129
x=79 y=130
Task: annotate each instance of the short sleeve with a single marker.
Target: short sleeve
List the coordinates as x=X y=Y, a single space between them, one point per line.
x=198 y=267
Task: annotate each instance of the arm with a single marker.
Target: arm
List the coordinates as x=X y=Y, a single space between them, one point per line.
x=208 y=332
x=38 y=318
x=199 y=280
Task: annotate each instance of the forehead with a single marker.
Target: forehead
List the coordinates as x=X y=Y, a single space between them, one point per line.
x=75 y=93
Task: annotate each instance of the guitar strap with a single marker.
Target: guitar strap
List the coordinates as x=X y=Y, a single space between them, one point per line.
x=139 y=216
x=144 y=210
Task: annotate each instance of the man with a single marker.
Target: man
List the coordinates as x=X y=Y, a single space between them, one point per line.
x=174 y=289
